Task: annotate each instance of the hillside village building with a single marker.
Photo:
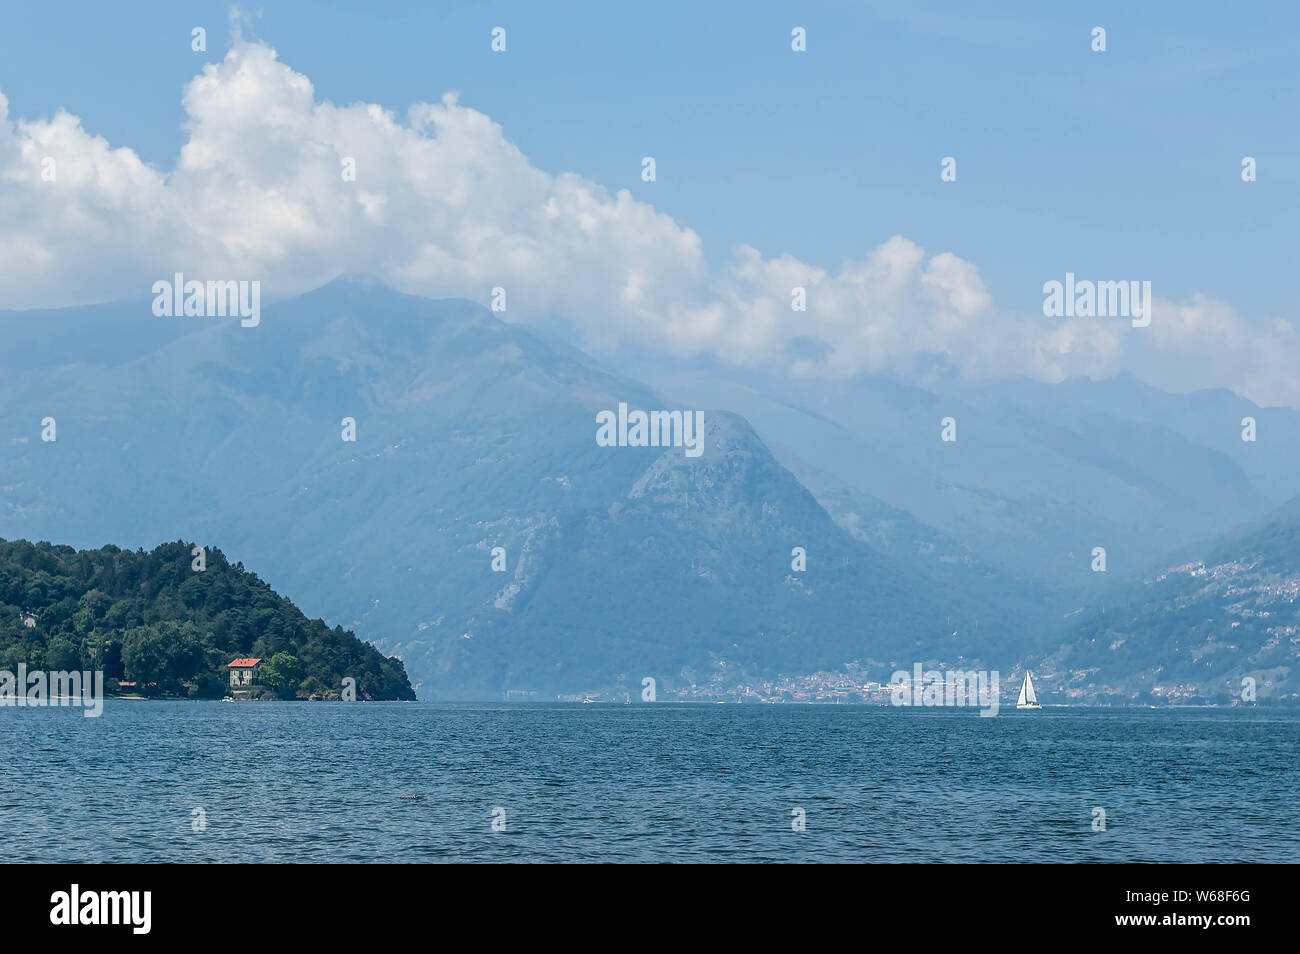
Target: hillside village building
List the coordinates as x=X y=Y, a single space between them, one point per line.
x=244 y=671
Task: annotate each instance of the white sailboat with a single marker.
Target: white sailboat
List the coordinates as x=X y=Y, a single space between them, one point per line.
x=1028 y=698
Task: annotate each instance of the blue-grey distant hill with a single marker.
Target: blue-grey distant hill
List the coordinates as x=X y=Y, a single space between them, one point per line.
x=622 y=562
x=472 y=434
x=1200 y=627
x=1039 y=475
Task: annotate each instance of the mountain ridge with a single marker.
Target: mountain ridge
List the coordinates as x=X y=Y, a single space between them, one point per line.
x=473 y=433
x=470 y=434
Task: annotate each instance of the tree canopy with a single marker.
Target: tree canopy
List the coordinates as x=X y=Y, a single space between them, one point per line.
x=149 y=617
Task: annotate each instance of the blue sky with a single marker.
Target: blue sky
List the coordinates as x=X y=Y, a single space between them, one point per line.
x=1122 y=165
x=1119 y=163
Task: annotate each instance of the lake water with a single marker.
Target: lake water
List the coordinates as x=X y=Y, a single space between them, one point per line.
x=663 y=782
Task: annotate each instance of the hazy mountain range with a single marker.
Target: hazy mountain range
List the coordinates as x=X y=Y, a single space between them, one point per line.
x=1212 y=622
x=626 y=562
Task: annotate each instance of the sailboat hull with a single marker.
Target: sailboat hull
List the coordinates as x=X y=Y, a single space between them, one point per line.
x=1028 y=705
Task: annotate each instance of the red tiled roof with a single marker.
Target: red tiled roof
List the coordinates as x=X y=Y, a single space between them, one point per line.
x=245 y=662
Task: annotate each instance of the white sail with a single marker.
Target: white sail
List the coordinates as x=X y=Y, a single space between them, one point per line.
x=1028 y=697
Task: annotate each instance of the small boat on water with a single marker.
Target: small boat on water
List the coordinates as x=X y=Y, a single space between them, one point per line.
x=1028 y=698
x=228 y=699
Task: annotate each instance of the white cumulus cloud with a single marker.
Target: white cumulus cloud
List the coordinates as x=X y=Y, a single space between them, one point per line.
x=443 y=204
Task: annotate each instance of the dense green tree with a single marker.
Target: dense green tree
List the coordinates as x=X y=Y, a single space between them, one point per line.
x=150 y=618
x=283 y=672
x=62 y=654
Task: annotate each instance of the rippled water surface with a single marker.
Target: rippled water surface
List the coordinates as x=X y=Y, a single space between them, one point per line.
x=420 y=782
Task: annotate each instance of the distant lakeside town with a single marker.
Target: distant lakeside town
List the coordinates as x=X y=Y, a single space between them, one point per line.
x=854 y=688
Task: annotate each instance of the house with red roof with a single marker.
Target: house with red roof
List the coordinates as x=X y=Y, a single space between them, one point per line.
x=244 y=671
